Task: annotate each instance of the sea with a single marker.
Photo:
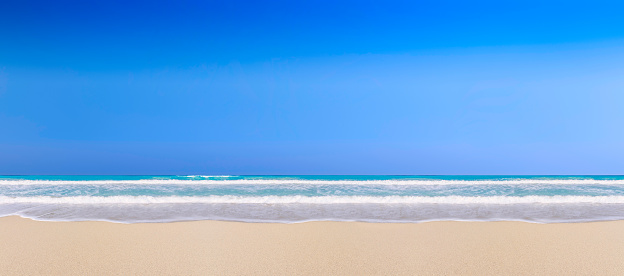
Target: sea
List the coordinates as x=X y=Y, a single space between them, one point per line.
x=301 y=198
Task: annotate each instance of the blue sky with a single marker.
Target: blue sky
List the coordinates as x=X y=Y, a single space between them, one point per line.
x=321 y=87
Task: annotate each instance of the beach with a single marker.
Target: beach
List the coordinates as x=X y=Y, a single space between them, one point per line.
x=29 y=247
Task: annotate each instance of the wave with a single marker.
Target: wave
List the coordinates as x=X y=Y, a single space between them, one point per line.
x=207 y=176
x=316 y=200
x=315 y=182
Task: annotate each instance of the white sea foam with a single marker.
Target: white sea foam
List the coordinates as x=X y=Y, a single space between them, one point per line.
x=290 y=210
x=261 y=199
x=316 y=182
x=316 y=200
x=207 y=176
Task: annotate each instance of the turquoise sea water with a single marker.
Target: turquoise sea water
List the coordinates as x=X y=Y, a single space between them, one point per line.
x=131 y=199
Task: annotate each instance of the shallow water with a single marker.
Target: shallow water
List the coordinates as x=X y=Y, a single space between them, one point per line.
x=288 y=199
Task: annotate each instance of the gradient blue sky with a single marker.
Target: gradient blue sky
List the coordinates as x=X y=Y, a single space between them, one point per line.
x=319 y=87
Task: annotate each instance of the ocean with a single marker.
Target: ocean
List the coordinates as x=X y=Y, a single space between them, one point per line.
x=290 y=199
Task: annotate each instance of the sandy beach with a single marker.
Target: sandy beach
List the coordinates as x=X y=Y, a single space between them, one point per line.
x=30 y=247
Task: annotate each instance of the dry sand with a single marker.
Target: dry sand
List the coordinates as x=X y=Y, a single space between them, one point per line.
x=315 y=248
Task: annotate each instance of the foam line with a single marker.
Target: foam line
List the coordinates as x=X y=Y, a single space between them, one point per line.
x=315 y=200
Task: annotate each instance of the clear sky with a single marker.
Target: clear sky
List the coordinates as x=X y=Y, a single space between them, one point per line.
x=316 y=87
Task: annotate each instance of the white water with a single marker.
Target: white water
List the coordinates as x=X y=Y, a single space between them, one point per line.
x=561 y=199
x=316 y=199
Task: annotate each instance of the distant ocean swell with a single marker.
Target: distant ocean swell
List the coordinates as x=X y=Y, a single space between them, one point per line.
x=316 y=182
x=288 y=199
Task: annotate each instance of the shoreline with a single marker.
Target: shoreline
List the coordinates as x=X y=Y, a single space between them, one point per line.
x=314 y=221
x=220 y=247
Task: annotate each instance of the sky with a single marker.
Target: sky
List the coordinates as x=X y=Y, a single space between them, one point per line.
x=311 y=87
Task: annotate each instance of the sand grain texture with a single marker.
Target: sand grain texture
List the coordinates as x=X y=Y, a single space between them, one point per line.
x=347 y=248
